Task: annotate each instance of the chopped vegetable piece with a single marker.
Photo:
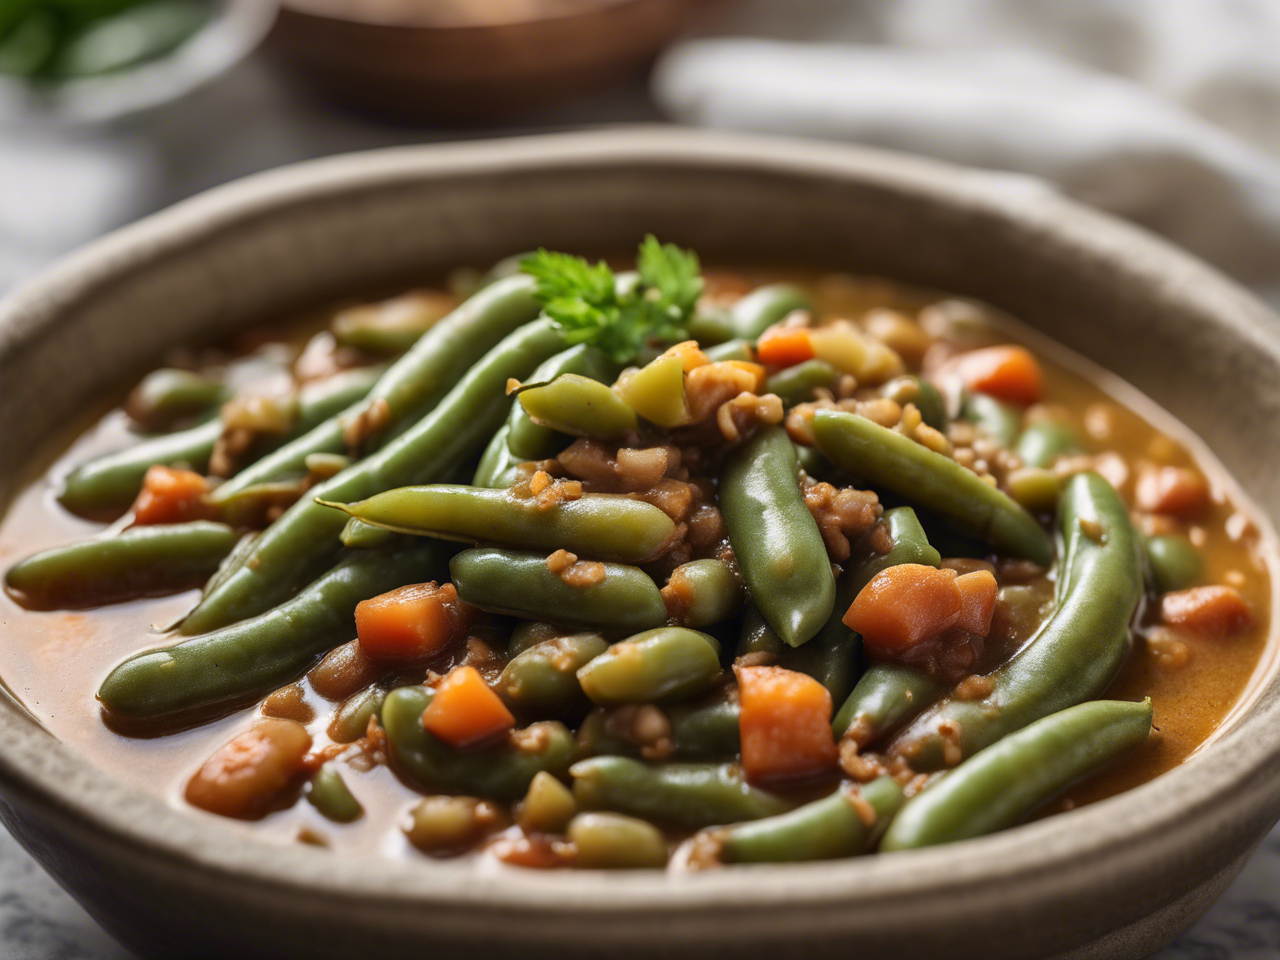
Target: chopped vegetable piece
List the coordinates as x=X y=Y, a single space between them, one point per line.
x=465 y=710
x=1213 y=611
x=656 y=390
x=785 y=346
x=251 y=771
x=1180 y=492
x=784 y=721
x=1008 y=373
x=170 y=495
x=977 y=601
x=410 y=623
x=904 y=606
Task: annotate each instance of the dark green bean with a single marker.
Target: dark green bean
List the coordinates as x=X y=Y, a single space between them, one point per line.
x=888 y=459
x=351 y=720
x=763 y=307
x=359 y=535
x=542 y=680
x=1074 y=654
x=1046 y=440
x=327 y=792
x=668 y=663
x=168 y=395
x=261 y=654
x=140 y=561
x=702 y=593
x=1000 y=421
x=711 y=327
x=305 y=539
x=530 y=633
x=505 y=581
x=691 y=795
x=412 y=387
x=110 y=482
x=499 y=772
x=1000 y=785
x=390 y=326
x=597 y=525
x=831 y=658
x=704 y=729
x=799 y=384
x=775 y=538
x=580 y=407
x=1175 y=563
x=823 y=830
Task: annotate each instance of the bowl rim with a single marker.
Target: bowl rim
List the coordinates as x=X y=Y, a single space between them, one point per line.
x=1227 y=781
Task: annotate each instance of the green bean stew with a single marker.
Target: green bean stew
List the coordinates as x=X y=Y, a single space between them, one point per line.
x=670 y=568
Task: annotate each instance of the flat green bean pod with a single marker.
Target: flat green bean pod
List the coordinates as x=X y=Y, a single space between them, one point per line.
x=668 y=663
x=799 y=383
x=579 y=406
x=764 y=306
x=1003 y=783
x=505 y=581
x=928 y=479
x=1046 y=440
x=1000 y=421
x=600 y=526
x=1072 y=657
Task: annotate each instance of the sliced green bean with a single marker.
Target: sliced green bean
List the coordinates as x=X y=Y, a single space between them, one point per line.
x=412 y=387
x=1072 y=657
x=691 y=795
x=888 y=459
x=328 y=793
x=391 y=326
x=611 y=841
x=775 y=538
x=918 y=390
x=1175 y=563
x=835 y=826
x=598 y=525
x=168 y=395
x=140 y=561
x=763 y=307
x=800 y=383
x=1046 y=440
x=542 y=680
x=999 y=786
x=547 y=807
x=530 y=633
x=351 y=720
x=506 y=581
x=704 y=729
x=579 y=406
x=519 y=439
x=305 y=539
x=831 y=658
x=111 y=482
x=500 y=772
x=702 y=593
x=668 y=663
x=739 y=350
x=259 y=655
x=1002 y=422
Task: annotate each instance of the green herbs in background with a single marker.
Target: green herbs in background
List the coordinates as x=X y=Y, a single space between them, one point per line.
x=619 y=317
x=55 y=40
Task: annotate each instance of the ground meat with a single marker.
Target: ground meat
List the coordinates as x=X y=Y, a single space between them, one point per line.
x=579 y=574
x=746 y=412
x=843 y=515
x=712 y=384
x=950 y=656
x=368 y=423
x=546 y=491
x=606 y=469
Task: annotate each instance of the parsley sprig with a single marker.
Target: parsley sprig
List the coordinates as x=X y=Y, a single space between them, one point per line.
x=586 y=300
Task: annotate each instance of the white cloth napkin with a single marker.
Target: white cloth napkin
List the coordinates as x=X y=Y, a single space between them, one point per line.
x=1124 y=105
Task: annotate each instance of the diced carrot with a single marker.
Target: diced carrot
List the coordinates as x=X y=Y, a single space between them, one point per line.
x=904 y=606
x=1007 y=373
x=977 y=601
x=245 y=776
x=465 y=710
x=411 y=623
x=785 y=346
x=171 y=496
x=784 y=723
x=1213 y=611
x=1174 y=491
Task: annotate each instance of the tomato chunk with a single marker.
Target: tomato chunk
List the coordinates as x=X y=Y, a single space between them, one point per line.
x=465 y=710
x=977 y=601
x=904 y=606
x=1214 y=611
x=411 y=623
x=784 y=721
x=1008 y=373
x=171 y=496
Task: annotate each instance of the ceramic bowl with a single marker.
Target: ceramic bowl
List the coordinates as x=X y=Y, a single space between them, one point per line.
x=1116 y=879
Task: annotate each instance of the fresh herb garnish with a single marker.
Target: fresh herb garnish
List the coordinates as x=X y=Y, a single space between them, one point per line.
x=587 y=302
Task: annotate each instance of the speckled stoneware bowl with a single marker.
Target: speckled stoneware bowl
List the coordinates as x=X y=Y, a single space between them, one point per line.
x=1117 y=879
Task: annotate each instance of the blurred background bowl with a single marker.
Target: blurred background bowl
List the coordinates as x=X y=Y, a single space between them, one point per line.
x=473 y=61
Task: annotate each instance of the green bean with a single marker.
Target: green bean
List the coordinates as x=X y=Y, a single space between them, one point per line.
x=500 y=772
x=703 y=729
x=763 y=307
x=928 y=479
x=351 y=720
x=888 y=694
x=306 y=538
x=1075 y=653
x=359 y=535
x=800 y=383
x=611 y=841
x=519 y=439
x=667 y=663
x=1046 y=440
x=392 y=326
x=702 y=593
x=918 y=390
x=711 y=327
x=1175 y=563
x=261 y=654
x=775 y=538
x=547 y=807
x=168 y=395
x=141 y=561
x=1000 y=421
x=823 y=830
x=813 y=462
x=597 y=525
x=415 y=384
x=831 y=657
x=504 y=581
x=327 y=792
x=691 y=795
x=530 y=633
x=1000 y=785
x=579 y=406
x=543 y=679
x=112 y=481
x=739 y=350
